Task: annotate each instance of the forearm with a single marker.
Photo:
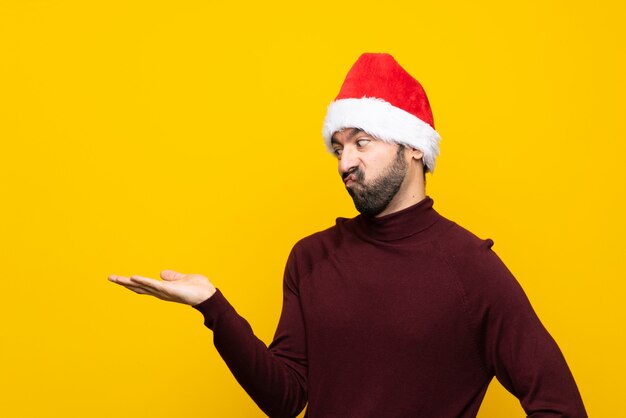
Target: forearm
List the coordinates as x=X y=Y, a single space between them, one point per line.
x=274 y=381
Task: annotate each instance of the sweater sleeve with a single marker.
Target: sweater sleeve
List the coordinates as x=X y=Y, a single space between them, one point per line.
x=274 y=376
x=514 y=344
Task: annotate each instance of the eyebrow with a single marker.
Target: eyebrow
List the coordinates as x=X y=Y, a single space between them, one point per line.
x=353 y=133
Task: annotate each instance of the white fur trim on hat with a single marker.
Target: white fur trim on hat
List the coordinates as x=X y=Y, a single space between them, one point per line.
x=382 y=120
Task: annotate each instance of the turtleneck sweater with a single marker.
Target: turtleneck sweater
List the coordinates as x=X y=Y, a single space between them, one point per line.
x=404 y=315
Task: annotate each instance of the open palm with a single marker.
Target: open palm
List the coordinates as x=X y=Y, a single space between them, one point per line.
x=190 y=289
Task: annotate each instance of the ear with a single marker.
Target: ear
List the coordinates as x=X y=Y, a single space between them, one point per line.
x=416 y=154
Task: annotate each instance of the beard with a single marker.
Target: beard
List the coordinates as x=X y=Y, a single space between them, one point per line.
x=371 y=199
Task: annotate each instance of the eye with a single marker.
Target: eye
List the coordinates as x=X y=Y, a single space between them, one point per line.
x=337 y=152
x=362 y=142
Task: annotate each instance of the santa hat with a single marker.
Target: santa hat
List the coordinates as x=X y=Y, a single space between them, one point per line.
x=381 y=98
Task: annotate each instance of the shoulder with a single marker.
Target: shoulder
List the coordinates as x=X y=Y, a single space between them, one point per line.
x=472 y=258
x=322 y=243
x=479 y=270
x=459 y=243
x=318 y=246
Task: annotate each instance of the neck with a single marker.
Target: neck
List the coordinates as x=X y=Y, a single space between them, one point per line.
x=402 y=202
x=399 y=225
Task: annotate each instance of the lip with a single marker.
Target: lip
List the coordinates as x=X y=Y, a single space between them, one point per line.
x=349 y=179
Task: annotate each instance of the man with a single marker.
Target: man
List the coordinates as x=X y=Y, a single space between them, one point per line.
x=397 y=312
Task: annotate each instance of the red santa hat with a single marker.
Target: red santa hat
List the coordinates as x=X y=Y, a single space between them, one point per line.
x=381 y=98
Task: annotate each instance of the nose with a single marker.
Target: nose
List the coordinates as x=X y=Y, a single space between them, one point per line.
x=349 y=160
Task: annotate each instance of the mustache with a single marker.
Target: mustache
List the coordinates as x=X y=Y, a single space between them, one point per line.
x=356 y=172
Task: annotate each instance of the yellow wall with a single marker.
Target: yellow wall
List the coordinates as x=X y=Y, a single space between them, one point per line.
x=143 y=135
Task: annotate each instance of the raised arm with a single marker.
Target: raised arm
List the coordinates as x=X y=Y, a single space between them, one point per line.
x=274 y=377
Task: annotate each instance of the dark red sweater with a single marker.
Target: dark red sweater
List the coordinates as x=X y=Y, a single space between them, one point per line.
x=406 y=315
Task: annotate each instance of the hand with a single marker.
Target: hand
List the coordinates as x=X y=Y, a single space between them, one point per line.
x=190 y=289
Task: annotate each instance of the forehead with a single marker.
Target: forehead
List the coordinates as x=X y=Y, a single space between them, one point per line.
x=346 y=134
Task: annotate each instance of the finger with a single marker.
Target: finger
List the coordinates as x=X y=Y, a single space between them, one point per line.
x=171 y=275
x=139 y=290
x=146 y=290
x=146 y=282
x=119 y=279
x=128 y=284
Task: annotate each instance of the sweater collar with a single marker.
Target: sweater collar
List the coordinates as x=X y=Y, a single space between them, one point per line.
x=400 y=224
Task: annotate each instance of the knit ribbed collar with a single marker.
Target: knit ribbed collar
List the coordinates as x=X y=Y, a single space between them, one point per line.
x=400 y=224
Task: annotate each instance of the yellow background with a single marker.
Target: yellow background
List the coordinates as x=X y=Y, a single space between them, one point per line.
x=143 y=135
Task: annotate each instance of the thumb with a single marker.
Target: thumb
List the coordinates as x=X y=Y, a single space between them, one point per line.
x=171 y=275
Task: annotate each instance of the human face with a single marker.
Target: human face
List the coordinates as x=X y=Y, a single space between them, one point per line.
x=372 y=170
